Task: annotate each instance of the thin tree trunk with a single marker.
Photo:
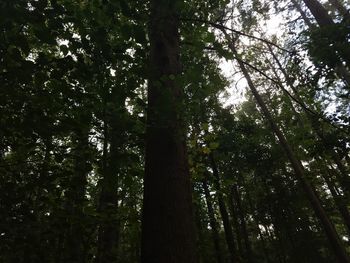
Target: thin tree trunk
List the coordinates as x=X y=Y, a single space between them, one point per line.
x=328 y=227
x=325 y=20
x=108 y=232
x=237 y=198
x=236 y=224
x=213 y=223
x=339 y=7
x=167 y=221
x=302 y=13
x=230 y=241
x=257 y=225
x=199 y=230
x=319 y=12
x=275 y=241
x=345 y=180
x=338 y=200
x=74 y=246
x=340 y=69
x=109 y=227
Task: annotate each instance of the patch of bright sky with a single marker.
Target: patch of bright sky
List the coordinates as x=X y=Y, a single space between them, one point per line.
x=238 y=88
x=274 y=26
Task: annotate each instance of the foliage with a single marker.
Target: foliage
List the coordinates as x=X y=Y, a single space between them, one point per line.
x=73 y=103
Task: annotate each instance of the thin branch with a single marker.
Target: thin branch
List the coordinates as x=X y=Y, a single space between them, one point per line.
x=222 y=27
x=292 y=97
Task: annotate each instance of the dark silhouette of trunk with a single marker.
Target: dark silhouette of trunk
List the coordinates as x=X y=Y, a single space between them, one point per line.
x=275 y=241
x=44 y=175
x=74 y=245
x=199 y=230
x=108 y=232
x=302 y=13
x=337 y=197
x=230 y=241
x=319 y=12
x=242 y=182
x=236 y=224
x=109 y=225
x=256 y=222
x=345 y=180
x=298 y=168
x=243 y=226
x=324 y=20
x=167 y=221
x=212 y=222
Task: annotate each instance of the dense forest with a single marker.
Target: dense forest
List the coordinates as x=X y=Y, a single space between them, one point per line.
x=174 y=131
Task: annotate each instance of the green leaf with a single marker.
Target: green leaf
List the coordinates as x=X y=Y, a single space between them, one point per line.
x=213 y=145
x=139 y=34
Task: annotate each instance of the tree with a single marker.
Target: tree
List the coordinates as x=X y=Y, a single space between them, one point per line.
x=167 y=221
x=79 y=138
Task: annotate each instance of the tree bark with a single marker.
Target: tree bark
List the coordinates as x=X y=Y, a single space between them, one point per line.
x=298 y=168
x=167 y=221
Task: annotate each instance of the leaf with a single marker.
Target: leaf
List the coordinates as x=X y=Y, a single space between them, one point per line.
x=205 y=150
x=209 y=37
x=139 y=34
x=213 y=145
x=205 y=126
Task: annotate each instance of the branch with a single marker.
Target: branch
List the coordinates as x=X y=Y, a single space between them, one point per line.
x=292 y=97
x=222 y=27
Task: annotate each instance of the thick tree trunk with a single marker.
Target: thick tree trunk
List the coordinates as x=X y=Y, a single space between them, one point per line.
x=230 y=241
x=213 y=223
x=167 y=221
x=298 y=168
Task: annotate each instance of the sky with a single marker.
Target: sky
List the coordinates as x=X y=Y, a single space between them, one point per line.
x=238 y=87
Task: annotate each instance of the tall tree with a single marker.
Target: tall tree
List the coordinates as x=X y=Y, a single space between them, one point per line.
x=329 y=228
x=167 y=220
